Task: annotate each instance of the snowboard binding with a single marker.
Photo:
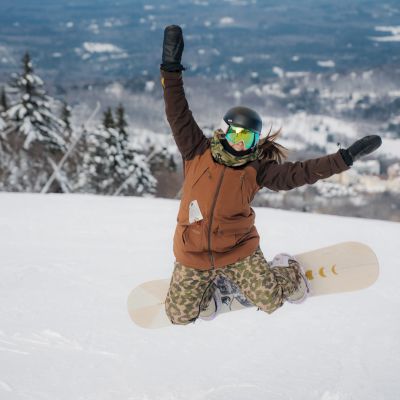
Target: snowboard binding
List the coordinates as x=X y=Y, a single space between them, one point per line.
x=304 y=290
x=225 y=294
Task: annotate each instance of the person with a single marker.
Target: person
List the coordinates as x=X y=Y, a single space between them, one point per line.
x=215 y=233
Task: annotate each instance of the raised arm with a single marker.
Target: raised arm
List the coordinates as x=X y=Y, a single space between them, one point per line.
x=187 y=134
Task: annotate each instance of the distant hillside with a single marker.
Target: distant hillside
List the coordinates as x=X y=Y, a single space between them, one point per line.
x=76 y=41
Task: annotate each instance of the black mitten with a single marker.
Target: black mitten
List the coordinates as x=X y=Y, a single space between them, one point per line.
x=361 y=147
x=172 y=49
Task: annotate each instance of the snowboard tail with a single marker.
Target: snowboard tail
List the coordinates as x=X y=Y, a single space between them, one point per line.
x=343 y=267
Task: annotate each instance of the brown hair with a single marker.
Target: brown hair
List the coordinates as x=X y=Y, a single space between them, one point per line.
x=271 y=149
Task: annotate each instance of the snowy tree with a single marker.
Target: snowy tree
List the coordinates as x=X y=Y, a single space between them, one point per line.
x=33 y=136
x=66 y=118
x=112 y=165
x=2 y=124
x=121 y=123
x=3 y=108
x=69 y=170
x=161 y=158
x=108 y=119
x=3 y=154
x=3 y=101
x=31 y=111
x=159 y=149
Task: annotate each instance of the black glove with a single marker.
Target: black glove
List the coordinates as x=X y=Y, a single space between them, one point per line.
x=172 y=49
x=361 y=147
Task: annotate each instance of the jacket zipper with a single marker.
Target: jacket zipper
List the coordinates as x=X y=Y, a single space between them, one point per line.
x=211 y=217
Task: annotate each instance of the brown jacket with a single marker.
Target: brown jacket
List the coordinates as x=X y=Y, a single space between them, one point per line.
x=226 y=233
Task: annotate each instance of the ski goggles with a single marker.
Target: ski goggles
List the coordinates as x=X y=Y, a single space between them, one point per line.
x=237 y=134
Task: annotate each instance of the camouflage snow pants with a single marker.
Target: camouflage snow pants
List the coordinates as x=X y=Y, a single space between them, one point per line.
x=267 y=288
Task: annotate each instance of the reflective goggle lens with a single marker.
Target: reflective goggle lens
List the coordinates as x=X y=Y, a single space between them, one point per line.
x=237 y=134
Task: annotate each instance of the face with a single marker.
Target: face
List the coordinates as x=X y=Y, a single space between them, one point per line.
x=238 y=146
x=241 y=139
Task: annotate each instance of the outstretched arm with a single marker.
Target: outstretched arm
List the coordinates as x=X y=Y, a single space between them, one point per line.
x=289 y=175
x=187 y=134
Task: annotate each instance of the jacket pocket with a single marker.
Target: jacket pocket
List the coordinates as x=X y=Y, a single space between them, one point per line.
x=193 y=186
x=201 y=175
x=193 y=236
x=226 y=238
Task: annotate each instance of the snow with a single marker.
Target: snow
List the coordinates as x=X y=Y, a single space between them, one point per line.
x=237 y=59
x=201 y=3
x=68 y=263
x=278 y=71
x=149 y=86
x=394 y=93
x=226 y=21
x=93 y=47
x=313 y=129
x=296 y=74
x=390 y=147
x=272 y=89
x=6 y=55
x=326 y=63
x=94 y=28
x=115 y=89
x=394 y=30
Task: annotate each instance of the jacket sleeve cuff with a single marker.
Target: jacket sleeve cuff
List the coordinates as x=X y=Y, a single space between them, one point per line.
x=346 y=157
x=170 y=75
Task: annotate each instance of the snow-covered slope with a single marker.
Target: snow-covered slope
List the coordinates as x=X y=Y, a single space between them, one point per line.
x=68 y=264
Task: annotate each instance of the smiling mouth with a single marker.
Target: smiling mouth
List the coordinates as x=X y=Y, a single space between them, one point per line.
x=239 y=145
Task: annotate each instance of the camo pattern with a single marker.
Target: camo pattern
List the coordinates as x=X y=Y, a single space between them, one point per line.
x=267 y=288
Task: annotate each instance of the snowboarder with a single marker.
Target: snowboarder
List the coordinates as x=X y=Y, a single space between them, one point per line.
x=215 y=233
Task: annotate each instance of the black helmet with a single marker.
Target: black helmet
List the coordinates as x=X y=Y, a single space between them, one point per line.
x=244 y=117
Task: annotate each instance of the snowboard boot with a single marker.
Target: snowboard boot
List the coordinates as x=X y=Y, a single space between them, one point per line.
x=304 y=290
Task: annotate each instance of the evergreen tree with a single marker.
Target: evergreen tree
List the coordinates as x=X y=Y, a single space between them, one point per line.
x=66 y=118
x=112 y=166
x=31 y=111
x=3 y=108
x=121 y=123
x=3 y=153
x=2 y=125
x=33 y=142
x=108 y=119
x=3 y=100
x=160 y=156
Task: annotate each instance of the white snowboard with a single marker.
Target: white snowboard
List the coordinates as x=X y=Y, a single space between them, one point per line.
x=343 y=267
